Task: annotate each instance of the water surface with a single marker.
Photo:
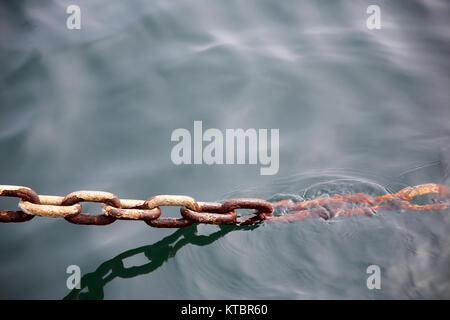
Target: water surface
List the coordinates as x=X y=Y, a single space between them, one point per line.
x=358 y=111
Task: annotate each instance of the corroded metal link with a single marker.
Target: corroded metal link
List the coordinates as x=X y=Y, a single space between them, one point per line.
x=402 y=204
x=50 y=206
x=14 y=216
x=208 y=217
x=210 y=207
x=336 y=204
x=169 y=223
x=320 y=213
x=132 y=204
x=402 y=198
x=172 y=201
x=210 y=213
x=409 y=193
x=23 y=193
x=132 y=210
x=406 y=194
x=132 y=214
x=91 y=196
x=263 y=207
x=251 y=220
x=357 y=198
x=91 y=219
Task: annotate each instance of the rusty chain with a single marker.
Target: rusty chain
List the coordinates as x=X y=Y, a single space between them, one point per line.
x=70 y=208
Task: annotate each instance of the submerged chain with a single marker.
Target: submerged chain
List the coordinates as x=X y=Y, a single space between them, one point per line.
x=70 y=208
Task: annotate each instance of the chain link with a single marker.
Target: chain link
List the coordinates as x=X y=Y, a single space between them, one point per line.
x=171 y=201
x=50 y=206
x=70 y=208
x=91 y=196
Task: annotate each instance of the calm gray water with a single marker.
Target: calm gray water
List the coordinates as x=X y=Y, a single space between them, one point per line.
x=358 y=110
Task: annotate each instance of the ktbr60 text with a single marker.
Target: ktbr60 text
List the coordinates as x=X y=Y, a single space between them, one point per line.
x=245 y=309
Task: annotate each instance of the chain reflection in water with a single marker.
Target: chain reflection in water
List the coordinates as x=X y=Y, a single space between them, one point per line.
x=92 y=284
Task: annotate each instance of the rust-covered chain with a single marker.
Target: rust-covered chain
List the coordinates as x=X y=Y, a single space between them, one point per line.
x=25 y=194
x=338 y=205
x=70 y=208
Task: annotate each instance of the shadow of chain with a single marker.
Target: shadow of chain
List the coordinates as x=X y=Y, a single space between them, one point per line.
x=92 y=284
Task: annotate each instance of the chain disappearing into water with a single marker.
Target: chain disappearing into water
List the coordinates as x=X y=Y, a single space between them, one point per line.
x=69 y=207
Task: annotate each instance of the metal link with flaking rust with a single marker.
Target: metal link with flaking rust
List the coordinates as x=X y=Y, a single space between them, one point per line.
x=113 y=208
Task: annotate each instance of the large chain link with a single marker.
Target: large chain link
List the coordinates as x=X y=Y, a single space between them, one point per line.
x=70 y=208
